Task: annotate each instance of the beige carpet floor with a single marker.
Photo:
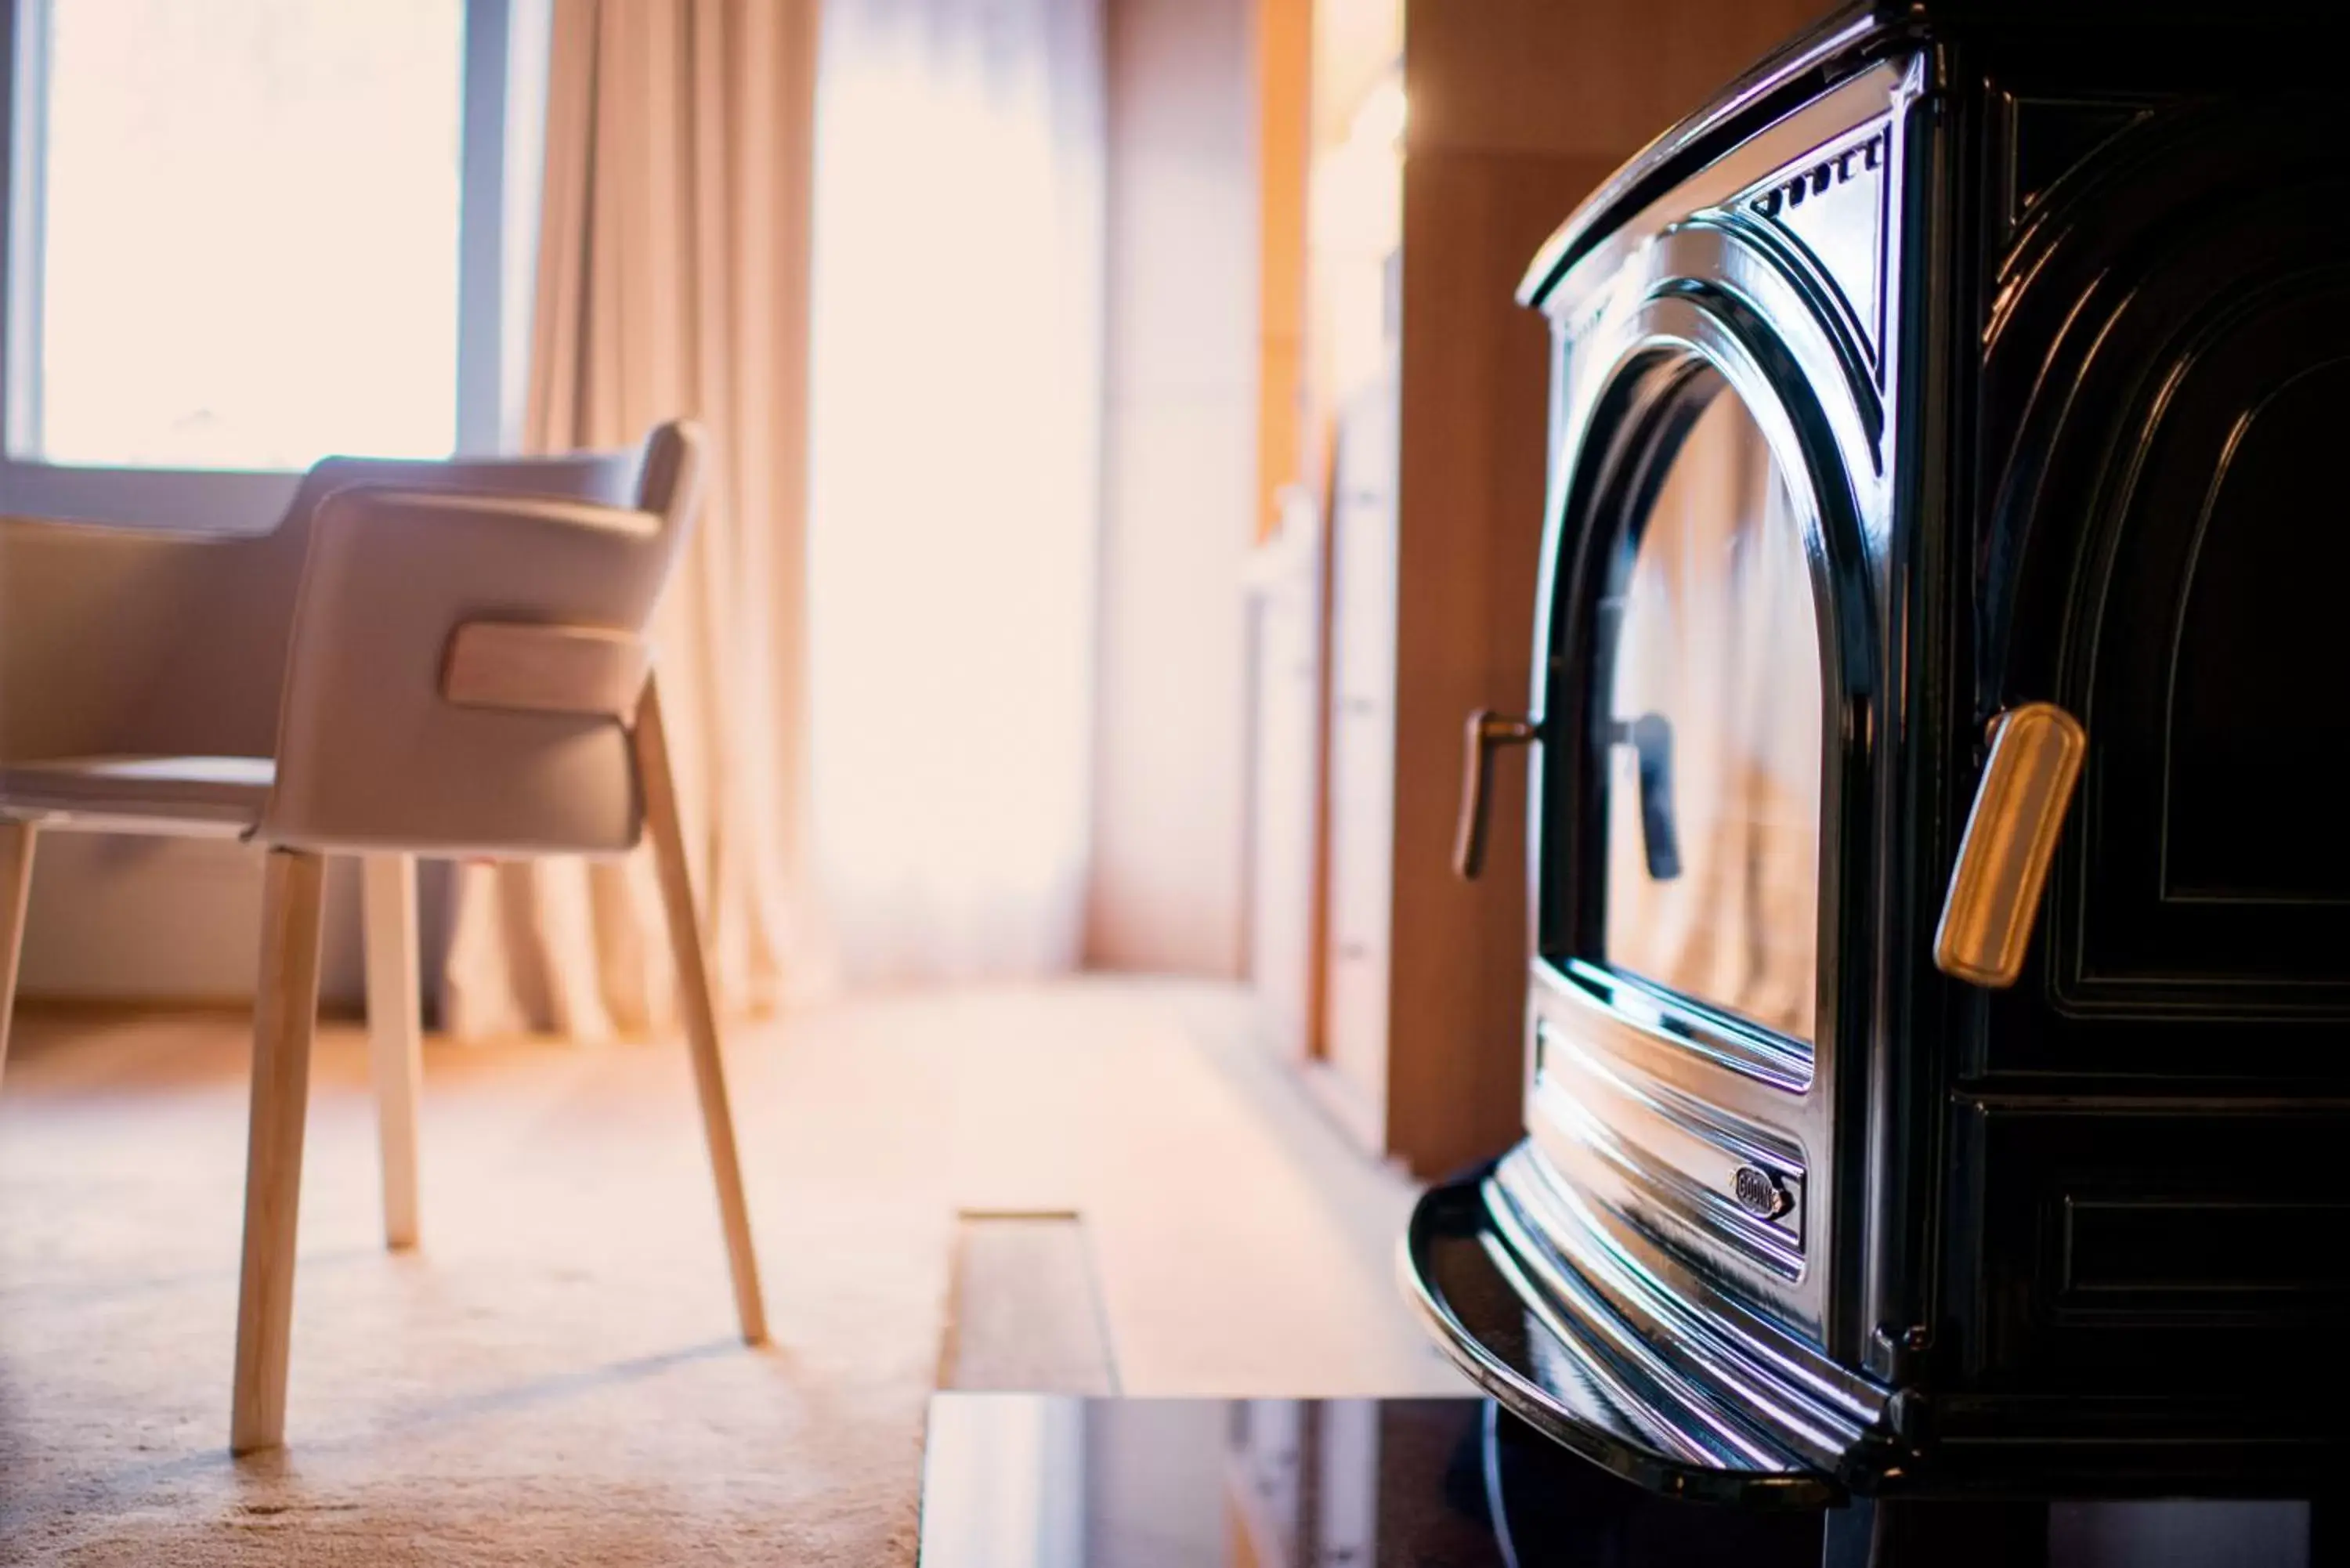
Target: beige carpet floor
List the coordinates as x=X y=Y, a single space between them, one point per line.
x=553 y=1378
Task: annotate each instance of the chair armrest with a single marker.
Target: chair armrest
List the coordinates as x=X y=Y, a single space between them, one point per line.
x=370 y=754
x=116 y=639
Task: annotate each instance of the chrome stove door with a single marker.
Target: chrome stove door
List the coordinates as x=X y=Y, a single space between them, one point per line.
x=1670 y=1273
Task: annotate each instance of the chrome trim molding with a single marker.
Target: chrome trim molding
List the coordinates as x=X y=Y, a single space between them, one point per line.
x=1686 y=1025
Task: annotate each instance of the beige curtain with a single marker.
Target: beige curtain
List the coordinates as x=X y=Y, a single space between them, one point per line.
x=674 y=269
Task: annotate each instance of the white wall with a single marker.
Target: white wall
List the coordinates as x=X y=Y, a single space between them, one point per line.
x=1170 y=846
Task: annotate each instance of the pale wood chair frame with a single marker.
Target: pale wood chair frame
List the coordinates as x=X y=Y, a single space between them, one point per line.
x=394 y=987
x=284 y=1019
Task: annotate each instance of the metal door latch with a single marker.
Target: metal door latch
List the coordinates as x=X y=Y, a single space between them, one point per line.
x=1488 y=730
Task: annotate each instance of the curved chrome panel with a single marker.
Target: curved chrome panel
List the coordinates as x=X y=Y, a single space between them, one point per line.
x=1653 y=1111
x=1625 y=999
x=1664 y=1159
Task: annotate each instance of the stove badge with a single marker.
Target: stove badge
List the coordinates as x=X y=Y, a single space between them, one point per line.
x=1759 y=1192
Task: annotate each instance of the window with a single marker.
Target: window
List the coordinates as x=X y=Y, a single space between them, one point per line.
x=246 y=234
x=1710 y=738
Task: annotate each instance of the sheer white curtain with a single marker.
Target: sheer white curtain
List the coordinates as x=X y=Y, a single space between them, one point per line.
x=955 y=488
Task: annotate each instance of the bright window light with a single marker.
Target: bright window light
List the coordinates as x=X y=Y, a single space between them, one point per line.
x=247 y=220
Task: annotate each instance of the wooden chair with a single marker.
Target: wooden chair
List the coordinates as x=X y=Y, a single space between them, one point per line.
x=439 y=658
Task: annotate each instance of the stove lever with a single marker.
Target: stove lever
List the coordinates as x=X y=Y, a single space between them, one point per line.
x=2011 y=838
x=1487 y=731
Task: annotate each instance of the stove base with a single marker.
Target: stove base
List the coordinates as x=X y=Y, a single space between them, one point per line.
x=1545 y=1312
x=1621 y=1353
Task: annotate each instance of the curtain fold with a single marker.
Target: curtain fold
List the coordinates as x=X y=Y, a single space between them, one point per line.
x=673 y=278
x=956 y=479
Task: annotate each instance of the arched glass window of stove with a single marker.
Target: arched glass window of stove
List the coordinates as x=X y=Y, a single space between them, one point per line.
x=1707 y=712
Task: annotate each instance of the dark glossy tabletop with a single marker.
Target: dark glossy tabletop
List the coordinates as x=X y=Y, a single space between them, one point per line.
x=1018 y=1481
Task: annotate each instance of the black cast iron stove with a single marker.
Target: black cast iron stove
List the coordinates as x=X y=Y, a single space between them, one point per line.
x=1938 y=1016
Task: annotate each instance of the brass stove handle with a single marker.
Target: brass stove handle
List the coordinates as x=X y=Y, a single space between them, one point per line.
x=1994 y=898
x=1488 y=730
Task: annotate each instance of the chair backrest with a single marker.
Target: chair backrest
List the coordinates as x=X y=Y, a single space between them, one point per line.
x=168 y=641
x=373 y=752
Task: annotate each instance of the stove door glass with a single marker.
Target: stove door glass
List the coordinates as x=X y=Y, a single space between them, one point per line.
x=1710 y=739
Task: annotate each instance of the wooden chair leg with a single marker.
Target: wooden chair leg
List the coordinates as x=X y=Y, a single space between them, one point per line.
x=15 y=882
x=661 y=820
x=285 y=1016
x=395 y=1032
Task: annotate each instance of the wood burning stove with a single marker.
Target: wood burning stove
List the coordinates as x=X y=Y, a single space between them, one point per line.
x=1938 y=1024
